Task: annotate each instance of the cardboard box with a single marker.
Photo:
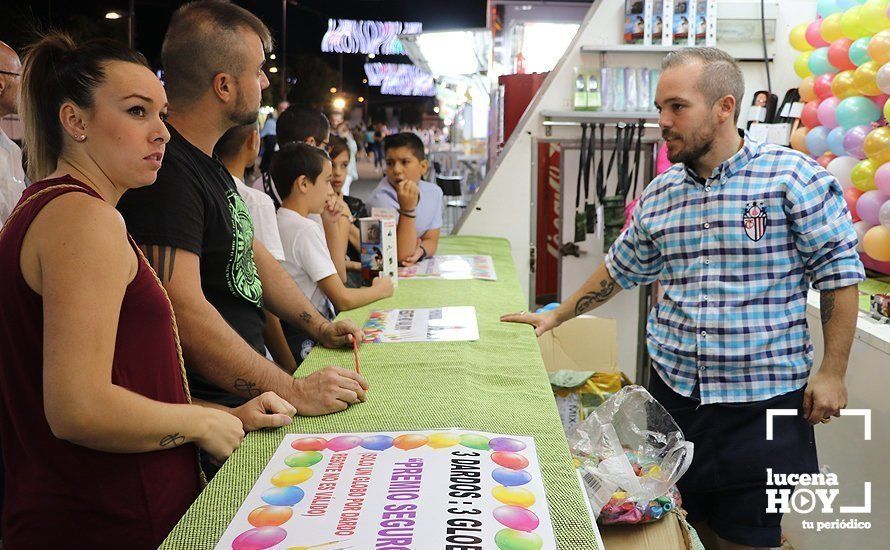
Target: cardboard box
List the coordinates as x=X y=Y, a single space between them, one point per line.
x=586 y=343
x=379 y=250
x=665 y=534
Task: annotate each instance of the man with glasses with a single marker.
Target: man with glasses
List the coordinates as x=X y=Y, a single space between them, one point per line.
x=12 y=175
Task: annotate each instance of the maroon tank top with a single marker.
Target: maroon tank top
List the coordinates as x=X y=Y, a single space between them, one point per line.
x=59 y=494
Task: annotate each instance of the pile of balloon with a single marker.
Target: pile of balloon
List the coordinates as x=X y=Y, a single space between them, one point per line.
x=845 y=67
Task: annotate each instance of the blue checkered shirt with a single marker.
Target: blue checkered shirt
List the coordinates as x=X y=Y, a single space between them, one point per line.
x=736 y=254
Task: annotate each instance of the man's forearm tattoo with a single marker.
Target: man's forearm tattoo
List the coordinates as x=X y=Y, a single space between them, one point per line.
x=598 y=296
x=247 y=387
x=826 y=305
x=305 y=317
x=173 y=439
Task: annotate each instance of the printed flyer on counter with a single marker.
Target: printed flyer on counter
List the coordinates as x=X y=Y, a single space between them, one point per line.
x=396 y=490
x=441 y=324
x=451 y=267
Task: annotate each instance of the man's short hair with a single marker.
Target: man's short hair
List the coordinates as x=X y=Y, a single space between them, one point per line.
x=300 y=123
x=294 y=160
x=233 y=140
x=407 y=140
x=204 y=39
x=720 y=75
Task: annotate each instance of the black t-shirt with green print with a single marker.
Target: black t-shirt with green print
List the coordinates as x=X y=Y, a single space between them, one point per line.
x=194 y=206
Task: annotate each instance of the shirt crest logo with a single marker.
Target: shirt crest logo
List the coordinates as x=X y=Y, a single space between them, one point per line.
x=755 y=221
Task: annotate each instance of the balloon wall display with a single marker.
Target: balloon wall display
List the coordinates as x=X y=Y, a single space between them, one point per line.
x=843 y=61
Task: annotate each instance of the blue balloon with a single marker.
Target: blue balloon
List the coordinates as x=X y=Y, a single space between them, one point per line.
x=511 y=478
x=859 y=51
x=283 y=496
x=817 y=141
x=819 y=63
x=836 y=141
x=856 y=111
x=826 y=7
x=844 y=5
x=377 y=442
x=550 y=306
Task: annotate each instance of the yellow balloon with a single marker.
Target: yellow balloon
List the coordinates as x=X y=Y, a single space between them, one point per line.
x=864 y=78
x=842 y=86
x=513 y=496
x=877 y=145
x=799 y=140
x=831 y=28
x=887 y=111
x=807 y=93
x=876 y=243
x=291 y=476
x=802 y=65
x=879 y=48
x=442 y=440
x=851 y=26
x=798 y=38
x=873 y=17
x=863 y=175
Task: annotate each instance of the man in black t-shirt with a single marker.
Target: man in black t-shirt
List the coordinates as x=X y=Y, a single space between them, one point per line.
x=197 y=233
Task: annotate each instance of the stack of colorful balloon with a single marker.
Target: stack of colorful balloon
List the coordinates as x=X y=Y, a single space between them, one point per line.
x=845 y=67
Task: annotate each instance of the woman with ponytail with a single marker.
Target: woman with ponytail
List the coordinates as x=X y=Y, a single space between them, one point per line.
x=99 y=433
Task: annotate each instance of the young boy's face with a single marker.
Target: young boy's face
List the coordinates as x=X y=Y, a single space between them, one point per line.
x=401 y=164
x=317 y=194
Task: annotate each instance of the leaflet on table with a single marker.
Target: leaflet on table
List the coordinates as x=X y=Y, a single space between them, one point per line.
x=451 y=267
x=442 y=324
x=423 y=489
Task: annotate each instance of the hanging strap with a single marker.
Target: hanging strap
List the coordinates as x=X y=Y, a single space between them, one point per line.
x=624 y=161
x=581 y=164
x=637 y=168
x=589 y=164
x=600 y=171
x=619 y=139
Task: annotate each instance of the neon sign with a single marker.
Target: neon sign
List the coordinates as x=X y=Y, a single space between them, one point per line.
x=400 y=79
x=367 y=37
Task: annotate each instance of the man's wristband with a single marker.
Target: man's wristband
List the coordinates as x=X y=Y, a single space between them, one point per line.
x=407 y=213
x=422 y=256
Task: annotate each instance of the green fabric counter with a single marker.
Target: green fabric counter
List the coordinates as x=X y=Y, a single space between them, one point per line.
x=497 y=384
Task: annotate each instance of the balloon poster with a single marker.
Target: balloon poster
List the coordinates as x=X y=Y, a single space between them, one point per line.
x=451 y=267
x=441 y=324
x=844 y=62
x=396 y=490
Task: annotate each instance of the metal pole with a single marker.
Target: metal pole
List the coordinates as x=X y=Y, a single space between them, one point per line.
x=283 y=71
x=131 y=25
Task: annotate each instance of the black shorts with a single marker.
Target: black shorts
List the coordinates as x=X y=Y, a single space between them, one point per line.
x=726 y=482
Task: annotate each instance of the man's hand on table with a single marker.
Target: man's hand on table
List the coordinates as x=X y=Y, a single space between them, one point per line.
x=541 y=321
x=266 y=411
x=825 y=396
x=338 y=335
x=329 y=390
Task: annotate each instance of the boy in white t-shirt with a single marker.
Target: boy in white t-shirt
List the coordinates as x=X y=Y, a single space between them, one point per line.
x=302 y=176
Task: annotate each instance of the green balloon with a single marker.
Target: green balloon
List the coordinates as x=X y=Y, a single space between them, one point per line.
x=511 y=539
x=305 y=459
x=474 y=441
x=859 y=51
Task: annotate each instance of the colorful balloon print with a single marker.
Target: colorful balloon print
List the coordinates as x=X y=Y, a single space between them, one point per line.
x=283 y=496
x=344 y=443
x=259 y=538
x=443 y=440
x=406 y=442
x=310 y=444
x=506 y=444
x=513 y=496
x=377 y=442
x=291 y=476
x=516 y=517
x=474 y=441
x=305 y=459
x=511 y=478
x=511 y=539
x=270 y=516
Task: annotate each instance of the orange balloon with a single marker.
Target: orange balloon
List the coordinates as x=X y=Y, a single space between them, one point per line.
x=865 y=78
x=842 y=85
x=876 y=243
x=879 y=48
x=807 y=93
x=877 y=145
x=799 y=140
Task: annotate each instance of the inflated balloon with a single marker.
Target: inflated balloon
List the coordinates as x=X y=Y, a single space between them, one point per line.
x=406 y=442
x=825 y=160
x=851 y=25
x=798 y=37
x=864 y=78
x=851 y=195
x=344 y=443
x=876 y=243
x=868 y=206
x=802 y=65
x=304 y=459
x=836 y=142
x=259 y=538
x=516 y=517
x=817 y=141
x=826 y=7
x=827 y=113
x=853 y=140
x=799 y=140
x=511 y=478
x=884 y=215
x=513 y=496
x=840 y=168
x=813 y=37
x=839 y=54
x=879 y=47
x=818 y=62
x=844 y=5
x=859 y=51
x=376 y=442
x=513 y=461
x=806 y=89
x=882 y=179
x=291 y=476
x=887 y=111
x=857 y=111
x=842 y=85
x=831 y=28
x=822 y=86
x=877 y=145
x=863 y=177
x=269 y=516
x=809 y=115
x=511 y=539
x=861 y=229
x=880 y=100
x=882 y=78
x=873 y=17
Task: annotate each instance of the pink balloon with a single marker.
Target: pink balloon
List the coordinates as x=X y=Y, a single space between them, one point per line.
x=879 y=100
x=826 y=112
x=516 y=517
x=851 y=195
x=839 y=54
x=825 y=160
x=869 y=205
x=854 y=139
x=344 y=443
x=809 y=116
x=882 y=178
x=822 y=86
x=813 y=36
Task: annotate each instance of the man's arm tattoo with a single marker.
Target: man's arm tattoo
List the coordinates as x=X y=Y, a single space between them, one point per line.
x=826 y=305
x=305 y=317
x=173 y=439
x=598 y=296
x=161 y=259
x=247 y=387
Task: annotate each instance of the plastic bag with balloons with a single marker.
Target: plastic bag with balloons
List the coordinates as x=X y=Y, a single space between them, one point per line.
x=844 y=62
